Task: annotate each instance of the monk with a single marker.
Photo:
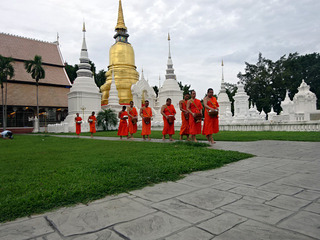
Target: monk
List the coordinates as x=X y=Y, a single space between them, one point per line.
x=194 y=107
x=168 y=112
x=133 y=119
x=123 y=125
x=78 y=121
x=211 y=124
x=92 y=121
x=184 y=130
x=146 y=114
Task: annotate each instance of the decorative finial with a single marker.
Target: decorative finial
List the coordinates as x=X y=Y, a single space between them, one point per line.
x=120 y=23
x=222 y=71
x=169 y=45
x=57 y=38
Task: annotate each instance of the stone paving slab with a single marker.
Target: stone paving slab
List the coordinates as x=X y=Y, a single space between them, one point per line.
x=301 y=180
x=209 y=199
x=304 y=222
x=253 y=230
x=308 y=195
x=258 y=211
x=25 y=229
x=252 y=192
x=185 y=211
x=280 y=188
x=222 y=223
x=288 y=202
x=150 y=227
x=162 y=191
x=192 y=233
x=98 y=216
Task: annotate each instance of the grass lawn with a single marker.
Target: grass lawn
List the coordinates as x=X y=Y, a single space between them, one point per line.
x=40 y=173
x=232 y=135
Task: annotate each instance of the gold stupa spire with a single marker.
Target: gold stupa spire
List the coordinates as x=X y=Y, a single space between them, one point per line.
x=120 y=23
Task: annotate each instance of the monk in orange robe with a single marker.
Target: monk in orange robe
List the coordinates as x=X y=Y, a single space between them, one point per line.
x=194 y=107
x=133 y=119
x=123 y=125
x=146 y=114
x=92 y=121
x=184 y=130
x=78 y=121
x=168 y=113
x=211 y=124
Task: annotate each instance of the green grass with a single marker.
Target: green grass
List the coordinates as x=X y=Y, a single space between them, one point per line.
x=232 y=135
x=40 y=173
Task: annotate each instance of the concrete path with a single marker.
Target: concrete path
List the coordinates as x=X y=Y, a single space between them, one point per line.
x=275 y=195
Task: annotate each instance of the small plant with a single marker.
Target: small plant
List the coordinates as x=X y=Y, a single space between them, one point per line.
x=107 y=119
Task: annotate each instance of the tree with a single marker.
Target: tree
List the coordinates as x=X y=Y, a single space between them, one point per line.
x=100 y=78
x=156 y=90
x=107 y=118
x=34 y=67
x=6 y=71
x=184 y=88
x=266 y=82
x=231 y=90
x=71 y=71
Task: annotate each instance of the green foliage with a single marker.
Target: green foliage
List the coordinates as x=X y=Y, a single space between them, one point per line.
x=156 y=90
x=231 y=90
x=107 y=119
x=185 y=88
x=6 y=71
x=34 y=67
x=100 y=78
x=266 y=82
x=71 y=71
x=42 y=173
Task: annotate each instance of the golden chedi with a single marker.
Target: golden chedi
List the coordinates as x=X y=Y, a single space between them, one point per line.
x=121 y=61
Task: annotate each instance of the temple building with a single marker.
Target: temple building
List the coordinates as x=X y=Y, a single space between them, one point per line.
x=53 y=89
x=170 y=88
x=122 y=62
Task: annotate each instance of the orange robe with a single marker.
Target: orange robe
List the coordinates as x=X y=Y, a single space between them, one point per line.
x=211 y=124
x=93 y=124
x=168 y=128
x=132 y=127
x=123 y=125
x=195 y=128
x=146 y=128
x=184 y=130
x=78 y=125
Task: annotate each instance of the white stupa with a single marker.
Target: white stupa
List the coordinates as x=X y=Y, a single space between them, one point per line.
x=142 y=91
x=223 y=99
x=170 y=88
x=241 y=104
x=305 y=101
x=113 y=100
x=84 y=96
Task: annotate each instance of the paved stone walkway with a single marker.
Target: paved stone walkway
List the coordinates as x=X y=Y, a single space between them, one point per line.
x=275 y=195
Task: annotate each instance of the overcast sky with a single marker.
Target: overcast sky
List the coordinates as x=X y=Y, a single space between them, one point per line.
x=203 y=32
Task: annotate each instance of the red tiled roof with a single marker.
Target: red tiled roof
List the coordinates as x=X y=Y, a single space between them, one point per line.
x=20 y=48
x=25 y=49
x=54 y=75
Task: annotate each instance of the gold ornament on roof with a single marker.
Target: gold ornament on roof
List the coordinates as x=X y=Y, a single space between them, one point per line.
x=120 y=23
